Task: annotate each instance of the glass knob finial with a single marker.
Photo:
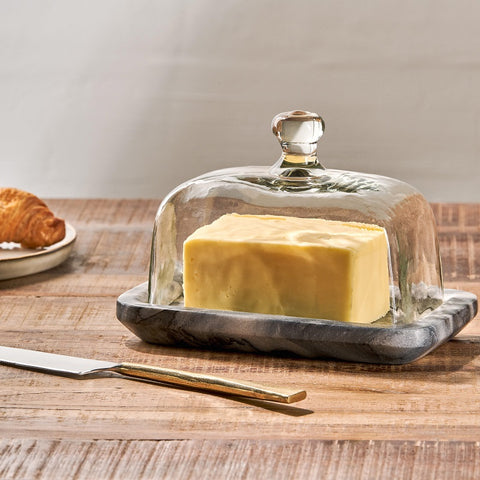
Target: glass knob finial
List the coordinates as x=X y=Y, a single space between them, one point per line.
x=298 y=133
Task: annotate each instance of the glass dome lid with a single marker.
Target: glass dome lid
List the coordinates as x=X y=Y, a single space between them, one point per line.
x=299 y=186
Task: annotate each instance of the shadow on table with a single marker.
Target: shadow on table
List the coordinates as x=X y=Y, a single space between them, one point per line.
x=286 y=409
x=449 y=363
x=38 y=278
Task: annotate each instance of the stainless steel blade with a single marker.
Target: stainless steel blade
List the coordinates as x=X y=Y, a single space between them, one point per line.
x=52 y=362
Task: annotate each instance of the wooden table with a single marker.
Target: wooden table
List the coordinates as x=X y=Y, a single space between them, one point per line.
x=358 y=421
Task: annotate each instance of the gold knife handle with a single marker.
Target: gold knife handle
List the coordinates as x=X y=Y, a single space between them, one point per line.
x=208 y=382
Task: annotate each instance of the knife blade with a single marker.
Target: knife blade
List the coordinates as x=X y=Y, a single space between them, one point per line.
x=81 y=367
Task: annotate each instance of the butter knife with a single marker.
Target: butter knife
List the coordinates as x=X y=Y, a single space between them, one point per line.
x=81 y=367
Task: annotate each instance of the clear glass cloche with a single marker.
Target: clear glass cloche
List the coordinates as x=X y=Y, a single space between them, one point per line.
x=299 y=185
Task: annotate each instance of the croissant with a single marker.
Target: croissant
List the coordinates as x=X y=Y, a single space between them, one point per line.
x=27 y=220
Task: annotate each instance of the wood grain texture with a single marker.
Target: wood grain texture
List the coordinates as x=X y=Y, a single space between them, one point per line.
x=244 y=459
x=358 y=421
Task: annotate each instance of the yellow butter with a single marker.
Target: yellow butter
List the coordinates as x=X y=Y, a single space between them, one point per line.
x=303 y=267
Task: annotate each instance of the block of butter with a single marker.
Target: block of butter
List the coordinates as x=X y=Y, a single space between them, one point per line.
x=303 y=267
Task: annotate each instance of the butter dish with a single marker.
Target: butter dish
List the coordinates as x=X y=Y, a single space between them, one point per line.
x=380 y=343
x=421 y=314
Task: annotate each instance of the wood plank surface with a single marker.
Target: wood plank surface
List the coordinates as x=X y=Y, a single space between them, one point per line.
x=358 y=421
x=235 y=460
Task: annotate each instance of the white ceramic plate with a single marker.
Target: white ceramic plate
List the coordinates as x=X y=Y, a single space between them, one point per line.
x=16 y=261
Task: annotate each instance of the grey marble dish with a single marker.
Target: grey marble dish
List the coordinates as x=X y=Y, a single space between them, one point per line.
x=179 y=326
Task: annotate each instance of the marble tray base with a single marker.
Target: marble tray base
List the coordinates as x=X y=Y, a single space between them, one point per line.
x=305 y=337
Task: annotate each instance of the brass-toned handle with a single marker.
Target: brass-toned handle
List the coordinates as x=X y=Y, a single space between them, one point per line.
x=208 y=382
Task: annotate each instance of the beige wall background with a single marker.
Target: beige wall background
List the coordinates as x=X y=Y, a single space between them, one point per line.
x=128 y=98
